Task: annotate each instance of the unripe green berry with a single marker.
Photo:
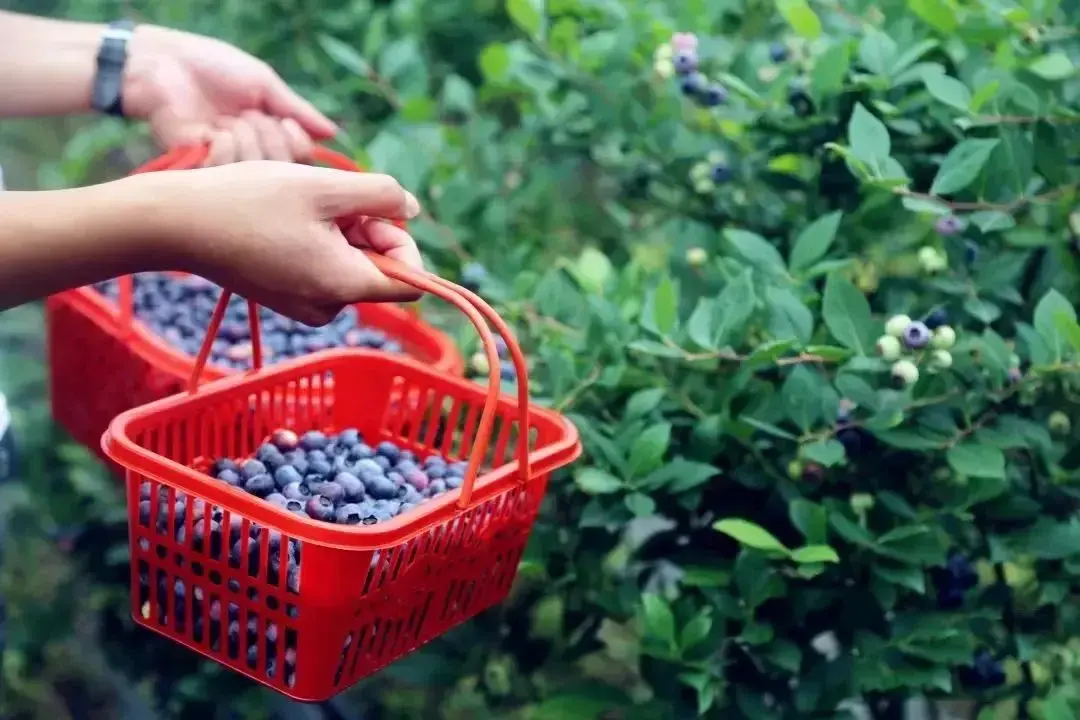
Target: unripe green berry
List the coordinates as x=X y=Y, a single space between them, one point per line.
x=932 y=260
x=861 y=503
x=944 y=338
x=794 y=469
x=888 y=348
x=941 y=360
x=896 y=325
x=905 y=373
x=696 y=257
x=1059 y=423
x=479 y=364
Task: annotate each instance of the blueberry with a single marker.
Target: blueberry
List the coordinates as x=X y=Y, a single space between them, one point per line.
x=144 y=512
x=383 y=462
x=320 y=508
x=473 y=275
x=936 y=318
x=853 y=439
x=501 y=347
x=778 y=52
x=277 y=499
x=507 y=370
x=252 y=468
x=144 y=491
x=360 y=451
x=224 y=464
x=457 y=468
x=948 y=225
x=435 y=472
x=418 y=479
x=713 y=95
x=435 y=488
x=395 y=477
x=916 y=335
x=332 y=491
x=692 y=85
x=266 y=450
x=685 y=62
x=367 y=465
x=454 y=481
x=353 y=487
x=292 y=580
x=287 y=475
x=229 y=477
x=389 y=450
x=296 y=491
x=350 y=514
x=720 y=173
x=971 y=252
x=313 y=440
x=285 y=440
x=950 y=598
x=260 y=485
x=349 y=437
x=381 y=488
x=321 y=468
x=800 y=102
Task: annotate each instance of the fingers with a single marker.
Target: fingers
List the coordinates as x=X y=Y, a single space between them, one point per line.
x=255 y=136
x=393 y=242
x=281 y=101
x=338 y=194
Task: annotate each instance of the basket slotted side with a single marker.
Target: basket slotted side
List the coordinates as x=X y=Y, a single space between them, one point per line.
x=368 y=594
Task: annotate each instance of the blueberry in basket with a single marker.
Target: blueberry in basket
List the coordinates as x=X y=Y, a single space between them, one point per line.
x=178 y=308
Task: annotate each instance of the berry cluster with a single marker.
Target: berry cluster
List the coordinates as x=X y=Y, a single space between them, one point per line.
x=902 y=333
x=705 y=176
x=985 y=672
x=954 y=580
x=339 y=478
x=178 y=308
x=680 y=57
x=479 y=367
x=933 y=260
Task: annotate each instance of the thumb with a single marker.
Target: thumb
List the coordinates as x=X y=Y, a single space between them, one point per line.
x=339 y=193
x=282 y=102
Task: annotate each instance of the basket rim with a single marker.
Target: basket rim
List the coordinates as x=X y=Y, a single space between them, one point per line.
x=118 y=446
x=446 y=355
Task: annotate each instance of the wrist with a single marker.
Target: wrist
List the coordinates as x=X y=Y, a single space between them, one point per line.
x=152 y=56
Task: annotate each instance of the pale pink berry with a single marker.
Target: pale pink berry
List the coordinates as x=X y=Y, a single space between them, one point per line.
x=684 y=41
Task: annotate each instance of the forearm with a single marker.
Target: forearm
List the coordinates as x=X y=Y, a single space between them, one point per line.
x=46 y=66
x=53 y=241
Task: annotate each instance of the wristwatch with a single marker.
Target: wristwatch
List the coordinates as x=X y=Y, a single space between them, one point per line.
x=107 y=96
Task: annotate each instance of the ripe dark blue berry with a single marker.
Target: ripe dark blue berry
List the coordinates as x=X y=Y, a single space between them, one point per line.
x=251 y=468
x=320 y=508
x=381 y=488
x=331 y=490
x=692 y=85
x=713 y=95
x=720 y=173
x=353 y=487
x=800 y=102
x=313 y=440
x=261 y=485
x=473 y=275
x=507 y=370
x=778 y=52
x=287 y=475
x=229 y=477
x=984 y=673
x=916 y=336
x=971 y=252
x=936 y=318
x=296 y=491
x=685 y=62
x=853 y=439
x=351 y=514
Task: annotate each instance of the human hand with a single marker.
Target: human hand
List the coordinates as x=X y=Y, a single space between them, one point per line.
x=284 y=235
x=194 y=89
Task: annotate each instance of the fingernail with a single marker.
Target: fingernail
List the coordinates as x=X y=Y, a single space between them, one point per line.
x=412 y=206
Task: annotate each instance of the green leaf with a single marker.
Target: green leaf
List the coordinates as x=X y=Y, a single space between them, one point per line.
x=749 y=534
x=814 y=241
x=948 y=90
x=596 y=482
x=696 y=630
x=344 y=54
x=976 y=460
x=801 y=393
x=1050 y=306
x=878 y=52
x=938 y=14
x=962 y=166
x=665 y=305
x=659 y=620
x=494 y=62
x=640 y=505
x=1055 y=66
x=847 y=314
x=592 y=270
x=825 y=452
x=648 y=450
x=830 y=69
x=677 y=476
x=789 y=318
x=815 y=554
x=1069 y=328
x=1056 y=707
x=801 y=17
x=643 y=402
x=757 y=251
x=715 y=322
x=527 y=15
x=811 y=519
x=868 y=137
x=848 y=530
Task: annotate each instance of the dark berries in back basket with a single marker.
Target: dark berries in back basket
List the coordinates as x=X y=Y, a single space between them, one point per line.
x=178 y=309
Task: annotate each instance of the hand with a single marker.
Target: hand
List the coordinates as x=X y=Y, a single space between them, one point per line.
x=284 y=235
x=194 y=89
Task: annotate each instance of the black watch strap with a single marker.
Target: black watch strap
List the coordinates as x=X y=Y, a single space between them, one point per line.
x=108 y=89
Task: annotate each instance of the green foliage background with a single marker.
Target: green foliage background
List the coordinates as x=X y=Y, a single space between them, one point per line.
x=689 y=565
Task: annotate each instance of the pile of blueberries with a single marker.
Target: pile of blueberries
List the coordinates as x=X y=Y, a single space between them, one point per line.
x=178 y=308
x=332 y=478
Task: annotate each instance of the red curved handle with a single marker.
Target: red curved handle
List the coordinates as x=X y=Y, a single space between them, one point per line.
x=475 y=309
x=190 y=158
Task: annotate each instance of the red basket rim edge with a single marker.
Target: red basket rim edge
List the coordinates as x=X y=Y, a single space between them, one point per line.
x=156 y=349
x=120 y=448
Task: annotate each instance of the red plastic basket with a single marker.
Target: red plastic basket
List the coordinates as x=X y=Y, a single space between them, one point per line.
x=102 y=361
x=363 y=595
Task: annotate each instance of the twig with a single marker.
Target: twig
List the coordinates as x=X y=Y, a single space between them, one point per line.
x=1008 y=207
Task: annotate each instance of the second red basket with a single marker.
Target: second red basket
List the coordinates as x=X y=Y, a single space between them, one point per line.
x=102 y=361
x=317 y=606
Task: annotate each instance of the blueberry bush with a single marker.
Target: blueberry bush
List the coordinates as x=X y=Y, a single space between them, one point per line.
x=803 y=275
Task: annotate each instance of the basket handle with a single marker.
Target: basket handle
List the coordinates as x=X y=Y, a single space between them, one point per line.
x=189 y=158
x=475 y=308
